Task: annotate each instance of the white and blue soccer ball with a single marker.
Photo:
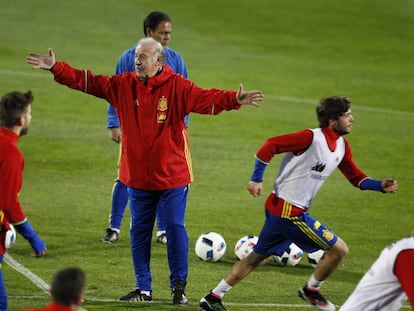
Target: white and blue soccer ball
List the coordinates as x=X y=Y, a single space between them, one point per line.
x=245 y=246
x=10 y=237
x=315 y=257
x=210 y=247
x=290 y=257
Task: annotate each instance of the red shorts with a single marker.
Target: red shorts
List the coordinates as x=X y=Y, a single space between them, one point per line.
x=282 y=208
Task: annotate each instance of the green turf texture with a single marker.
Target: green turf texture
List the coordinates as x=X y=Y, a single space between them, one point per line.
x=296 y=52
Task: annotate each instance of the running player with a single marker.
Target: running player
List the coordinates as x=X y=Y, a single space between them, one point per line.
x=311 y=156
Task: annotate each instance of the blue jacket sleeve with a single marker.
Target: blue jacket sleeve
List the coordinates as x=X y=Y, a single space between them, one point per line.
x=112 y=119
x=125 y=63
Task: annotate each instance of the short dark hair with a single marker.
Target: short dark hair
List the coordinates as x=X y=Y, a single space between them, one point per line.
x=154 y=19
x=331 y=108
x=68 y=285
x=12 y=106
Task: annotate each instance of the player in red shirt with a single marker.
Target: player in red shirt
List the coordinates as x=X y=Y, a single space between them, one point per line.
x=311 y=156
x=151 y=104
x=66 y=291
x=15 y=118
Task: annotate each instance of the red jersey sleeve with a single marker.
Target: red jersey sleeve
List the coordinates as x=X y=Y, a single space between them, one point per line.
x=10 y=185
x=349 y=168
x=295 y=142
x=203 y=101
x=404 y=271
x=84 y=80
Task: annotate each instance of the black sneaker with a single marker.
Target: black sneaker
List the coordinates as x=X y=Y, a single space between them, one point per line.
x=111 y=236
x=316 y=299
x=211 y=303
x=136 y=295
x=162 y=238
x=178 y=294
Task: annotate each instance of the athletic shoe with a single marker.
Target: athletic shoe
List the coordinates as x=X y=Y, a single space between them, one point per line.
x=316 y=299
x=211 y=303
x=111 y=236
x=136 y=295
x=162 y=238
x=178 y=294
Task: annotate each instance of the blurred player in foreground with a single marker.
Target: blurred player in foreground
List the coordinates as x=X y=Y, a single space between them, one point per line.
x=388 y=282
x=151 y=104
x=66 y=291
x=311 y=156
x=157 y=25
x=15 y=119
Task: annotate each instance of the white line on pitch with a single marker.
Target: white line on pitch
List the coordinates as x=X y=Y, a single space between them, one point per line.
x=30 y=275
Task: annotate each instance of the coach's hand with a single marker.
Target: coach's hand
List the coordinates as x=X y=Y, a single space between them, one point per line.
x=249 y=97
x=40 y=61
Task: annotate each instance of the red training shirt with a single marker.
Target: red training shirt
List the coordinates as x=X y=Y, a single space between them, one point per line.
x=300 y=141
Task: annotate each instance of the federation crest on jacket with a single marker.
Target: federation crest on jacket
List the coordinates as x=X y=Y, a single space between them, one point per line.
x=162 y=108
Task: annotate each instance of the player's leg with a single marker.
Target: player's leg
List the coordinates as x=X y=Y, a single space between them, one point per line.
x=271 y=241
x=118 y=204
x=310 y=234
x=331 y=260
x=143 y=209
x=172 y=205
x=3 y=294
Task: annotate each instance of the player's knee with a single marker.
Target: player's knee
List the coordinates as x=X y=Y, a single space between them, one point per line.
x=340 y=249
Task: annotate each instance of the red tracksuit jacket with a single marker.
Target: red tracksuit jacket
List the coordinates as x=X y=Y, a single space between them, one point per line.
x=155 y=148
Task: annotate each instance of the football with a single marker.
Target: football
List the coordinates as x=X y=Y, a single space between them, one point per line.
x=244 y=246
x=315 y=257
x=10 y=237
x=210 y=247
x=291 y=257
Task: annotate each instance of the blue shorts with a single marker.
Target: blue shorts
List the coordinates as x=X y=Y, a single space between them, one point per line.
x=304 y=230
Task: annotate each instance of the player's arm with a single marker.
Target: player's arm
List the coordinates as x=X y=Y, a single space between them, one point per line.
x=296 y=142
x=10 y=204
x=404 y=271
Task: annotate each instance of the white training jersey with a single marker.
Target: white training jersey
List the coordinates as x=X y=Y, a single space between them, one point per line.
x=301 y=176
x=379 y=288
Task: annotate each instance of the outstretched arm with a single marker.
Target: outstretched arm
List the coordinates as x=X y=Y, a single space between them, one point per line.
x=249 y=97
x=81 y=80
x=40 y=61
